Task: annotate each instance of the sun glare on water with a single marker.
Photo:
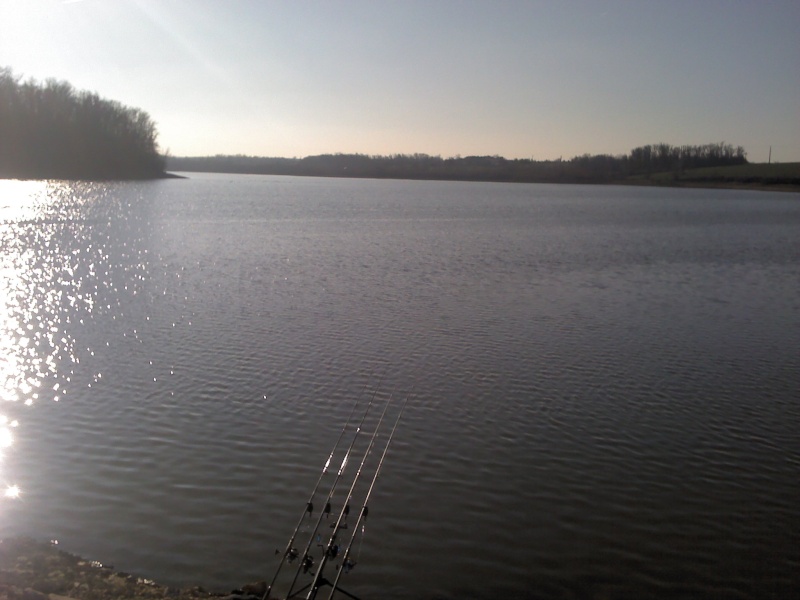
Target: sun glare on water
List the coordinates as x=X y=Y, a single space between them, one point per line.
x=21 y=203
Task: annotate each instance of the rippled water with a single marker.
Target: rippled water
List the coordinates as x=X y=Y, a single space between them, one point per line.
x=604 y=382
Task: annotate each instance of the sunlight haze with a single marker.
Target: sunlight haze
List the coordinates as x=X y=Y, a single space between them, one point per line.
x=518 y=79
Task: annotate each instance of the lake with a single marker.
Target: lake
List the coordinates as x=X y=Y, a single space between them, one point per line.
x=603 y=383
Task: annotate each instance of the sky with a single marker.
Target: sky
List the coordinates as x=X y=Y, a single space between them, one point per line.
x=520 y=79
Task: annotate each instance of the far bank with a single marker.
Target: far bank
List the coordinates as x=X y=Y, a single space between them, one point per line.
x=767 y=177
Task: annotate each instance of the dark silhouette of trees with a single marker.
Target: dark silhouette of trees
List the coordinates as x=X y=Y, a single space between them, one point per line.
x=663 y=157
x=50 y=130
x=600 y=168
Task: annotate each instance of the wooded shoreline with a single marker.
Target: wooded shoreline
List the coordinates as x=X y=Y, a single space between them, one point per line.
x=52 y=131
x=767 y=177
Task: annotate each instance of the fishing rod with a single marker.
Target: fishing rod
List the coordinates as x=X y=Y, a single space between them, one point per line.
x=309 y=505
x=330 y=552
x=364 y=510
x=326 y=510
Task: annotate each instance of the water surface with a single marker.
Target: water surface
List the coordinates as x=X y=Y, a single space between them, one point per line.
x=603 y=381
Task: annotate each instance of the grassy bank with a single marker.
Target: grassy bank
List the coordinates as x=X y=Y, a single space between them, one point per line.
x=757 y=176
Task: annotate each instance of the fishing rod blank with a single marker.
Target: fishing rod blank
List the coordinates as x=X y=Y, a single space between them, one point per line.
x=329 y=547
x=303 y=562
x=363 y=514
x=309 y=505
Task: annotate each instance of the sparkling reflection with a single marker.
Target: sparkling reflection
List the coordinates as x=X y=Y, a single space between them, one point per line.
x=48 y=285
x=6 y=438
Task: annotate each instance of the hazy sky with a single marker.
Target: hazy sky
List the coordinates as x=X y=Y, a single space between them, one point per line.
x=537 y=79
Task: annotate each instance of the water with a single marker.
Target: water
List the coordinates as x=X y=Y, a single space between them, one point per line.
x=604 y=382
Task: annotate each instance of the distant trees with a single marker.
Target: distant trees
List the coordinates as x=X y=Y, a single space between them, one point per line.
x=663 y=157
x=597 y=168
x=50 y=130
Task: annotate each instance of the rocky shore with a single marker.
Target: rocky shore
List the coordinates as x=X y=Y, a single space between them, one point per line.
x=34 y=570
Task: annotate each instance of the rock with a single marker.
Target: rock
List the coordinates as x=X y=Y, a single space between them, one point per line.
x=31 y=570
x=258 y=588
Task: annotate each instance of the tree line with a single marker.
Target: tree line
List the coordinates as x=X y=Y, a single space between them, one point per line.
x=644 y=160
x=50 y=130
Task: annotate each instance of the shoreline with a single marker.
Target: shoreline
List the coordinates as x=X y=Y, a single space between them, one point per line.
x=700 y=185
x=688 y=184
x=684 y=184
x=28 y=177
x=718 y=185
x=36 y=570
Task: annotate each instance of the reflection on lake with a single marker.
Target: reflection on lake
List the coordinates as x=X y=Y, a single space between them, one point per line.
x=605 y=380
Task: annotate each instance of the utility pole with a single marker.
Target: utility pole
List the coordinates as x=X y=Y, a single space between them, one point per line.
x=769 y=160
